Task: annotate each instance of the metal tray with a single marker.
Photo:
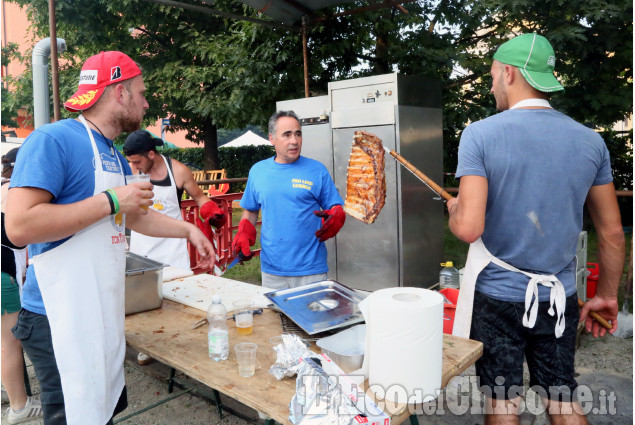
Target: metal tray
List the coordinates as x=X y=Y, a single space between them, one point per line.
x=319 y=306
x=136 y=264
x=144 y=284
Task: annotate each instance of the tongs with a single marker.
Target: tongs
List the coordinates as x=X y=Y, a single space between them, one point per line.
x=233 y=317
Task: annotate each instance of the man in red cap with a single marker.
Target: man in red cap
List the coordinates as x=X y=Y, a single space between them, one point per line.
x=526 y=174
x=68 y=200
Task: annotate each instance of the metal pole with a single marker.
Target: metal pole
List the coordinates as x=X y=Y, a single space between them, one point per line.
x=304 y=56
x=54 y=65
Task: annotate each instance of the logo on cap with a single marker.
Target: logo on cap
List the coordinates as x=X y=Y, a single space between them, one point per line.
x=88 y=77
x=551 y=61
x=82 y=99
x=115 y=73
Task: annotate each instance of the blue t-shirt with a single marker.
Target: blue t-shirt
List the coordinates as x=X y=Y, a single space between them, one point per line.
x=58 y=158
x=287 y=195
x=539 y=165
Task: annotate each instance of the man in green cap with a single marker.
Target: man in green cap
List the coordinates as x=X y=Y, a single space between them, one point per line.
x=525 y=175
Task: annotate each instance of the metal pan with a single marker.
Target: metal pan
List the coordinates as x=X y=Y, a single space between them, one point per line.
x=319 y=306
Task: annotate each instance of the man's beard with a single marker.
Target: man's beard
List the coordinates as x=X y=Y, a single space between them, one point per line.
x=128 y=124
x=127 y=120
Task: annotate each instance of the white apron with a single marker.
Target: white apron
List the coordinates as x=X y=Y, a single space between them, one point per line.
x=170 y=251
x=479 y=257
x=82 y=286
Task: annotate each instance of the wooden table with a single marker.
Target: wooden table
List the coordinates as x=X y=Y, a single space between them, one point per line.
x=166 y=335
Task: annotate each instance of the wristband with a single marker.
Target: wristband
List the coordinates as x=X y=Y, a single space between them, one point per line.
x=115 y=199
x=110 y=201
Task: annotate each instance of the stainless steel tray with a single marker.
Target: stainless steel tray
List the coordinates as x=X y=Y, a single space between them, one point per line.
x=319 y=306
x=136 y=264
x=144 y=283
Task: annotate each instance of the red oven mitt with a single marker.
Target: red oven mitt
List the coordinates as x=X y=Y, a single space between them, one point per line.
x=245 y=237
x=211 y=213
x=205 y=228
x=332 y=222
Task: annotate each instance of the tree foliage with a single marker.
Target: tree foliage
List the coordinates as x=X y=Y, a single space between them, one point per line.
x=14 y=93
x=206 y=73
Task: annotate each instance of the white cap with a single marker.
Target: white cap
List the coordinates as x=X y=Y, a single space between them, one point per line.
x=216 y=299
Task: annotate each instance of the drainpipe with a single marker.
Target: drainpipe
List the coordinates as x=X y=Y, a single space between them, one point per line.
x=41 y=52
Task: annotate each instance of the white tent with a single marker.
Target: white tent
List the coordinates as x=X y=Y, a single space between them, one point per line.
x=248 y=139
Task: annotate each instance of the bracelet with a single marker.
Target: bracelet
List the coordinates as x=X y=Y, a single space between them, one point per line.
x=452 y=208
x=115 y=199
x=110 y=201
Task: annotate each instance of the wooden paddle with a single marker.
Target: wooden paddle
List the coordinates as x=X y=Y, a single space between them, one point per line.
x=425 y=179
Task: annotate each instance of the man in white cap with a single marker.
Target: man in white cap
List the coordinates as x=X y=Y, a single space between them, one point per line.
x=525 y=175
x=68 y=200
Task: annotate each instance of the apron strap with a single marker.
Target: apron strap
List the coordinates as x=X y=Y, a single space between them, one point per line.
x=557 y=296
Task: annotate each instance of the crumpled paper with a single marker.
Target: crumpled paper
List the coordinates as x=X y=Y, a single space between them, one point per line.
x=288 y=356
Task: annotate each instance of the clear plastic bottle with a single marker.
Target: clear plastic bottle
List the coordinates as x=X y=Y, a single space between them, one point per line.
x=449 y=276
x=217 y=334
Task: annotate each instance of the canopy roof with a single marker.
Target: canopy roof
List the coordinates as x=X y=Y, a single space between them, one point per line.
x=248 y=139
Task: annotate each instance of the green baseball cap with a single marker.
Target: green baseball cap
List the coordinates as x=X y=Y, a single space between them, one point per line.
x=534 y=57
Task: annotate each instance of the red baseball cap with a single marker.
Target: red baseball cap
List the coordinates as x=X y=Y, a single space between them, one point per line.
x=99 y=72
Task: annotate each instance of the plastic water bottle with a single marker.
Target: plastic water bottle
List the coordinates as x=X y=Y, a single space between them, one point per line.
x=449 y=276
x=218 y=334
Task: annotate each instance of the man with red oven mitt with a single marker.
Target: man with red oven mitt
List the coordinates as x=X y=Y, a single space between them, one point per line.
x=170 y=178
x=288 y=189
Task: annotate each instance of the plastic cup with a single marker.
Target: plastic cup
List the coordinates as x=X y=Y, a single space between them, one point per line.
x=244 y=314
x=246 y=356
x=275 y=340
x=137 y=178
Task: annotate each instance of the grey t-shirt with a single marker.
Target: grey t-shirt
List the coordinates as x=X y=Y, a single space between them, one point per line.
x=540 y=165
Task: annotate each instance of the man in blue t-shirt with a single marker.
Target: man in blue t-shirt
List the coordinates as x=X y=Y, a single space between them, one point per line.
x=290 y=190
x=525 y=175
x=69 y=201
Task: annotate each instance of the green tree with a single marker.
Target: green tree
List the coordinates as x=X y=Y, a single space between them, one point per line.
x=189 y=65
x=207 y=73
x=15 y=89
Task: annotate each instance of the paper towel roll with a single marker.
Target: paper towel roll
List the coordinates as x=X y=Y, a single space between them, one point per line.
x=404 y=343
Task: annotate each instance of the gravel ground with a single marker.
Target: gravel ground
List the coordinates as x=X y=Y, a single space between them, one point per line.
x=604 y=364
